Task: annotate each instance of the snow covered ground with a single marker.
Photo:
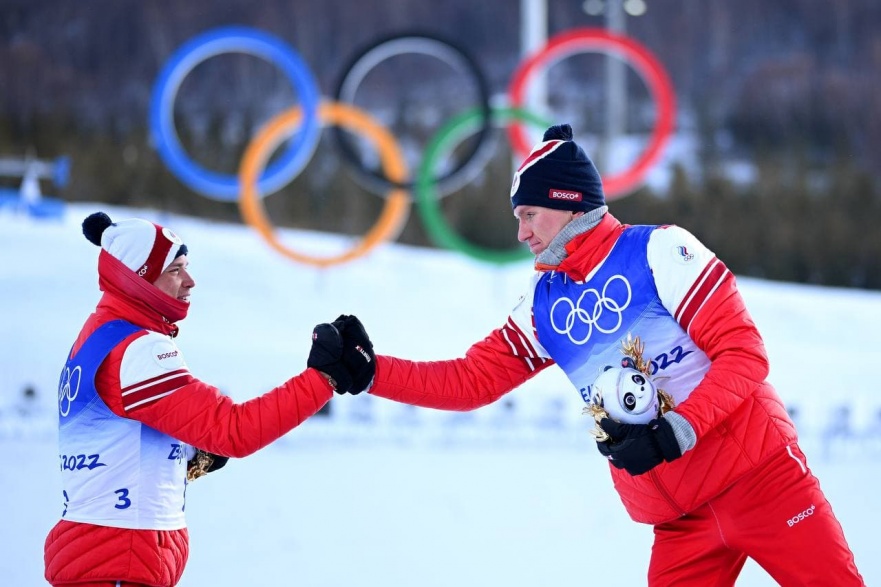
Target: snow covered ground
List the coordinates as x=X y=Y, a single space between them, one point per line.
x=381 y=494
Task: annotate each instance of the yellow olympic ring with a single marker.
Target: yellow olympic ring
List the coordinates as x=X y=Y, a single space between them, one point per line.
x=394 y=213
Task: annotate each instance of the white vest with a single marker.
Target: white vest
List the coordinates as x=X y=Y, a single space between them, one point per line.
x=115 y=471
x=650 y=285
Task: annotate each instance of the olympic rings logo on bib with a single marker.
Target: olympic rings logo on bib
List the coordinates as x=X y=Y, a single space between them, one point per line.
x=301 y=125
x=68 y=389
x=593 y=312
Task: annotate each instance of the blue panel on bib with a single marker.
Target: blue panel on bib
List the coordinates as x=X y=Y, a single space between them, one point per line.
x=76 y=387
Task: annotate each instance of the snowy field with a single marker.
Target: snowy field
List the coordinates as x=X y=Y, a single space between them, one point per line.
x=378 y=494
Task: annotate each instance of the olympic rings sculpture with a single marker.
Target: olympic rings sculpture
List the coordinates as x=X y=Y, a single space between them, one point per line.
x=304 y=122
x=194 y=52
x=650 y=70
x=424 y=44
x=428 y=203
x=397 y=206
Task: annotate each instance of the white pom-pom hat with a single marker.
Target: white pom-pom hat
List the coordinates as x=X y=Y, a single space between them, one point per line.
x=142 y=246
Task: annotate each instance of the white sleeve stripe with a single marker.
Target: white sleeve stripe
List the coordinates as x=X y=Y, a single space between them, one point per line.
x=505 y=331
x=525 y=343
x=155 y=381
x=518 y=346
x=149 y=399
x=529 y=351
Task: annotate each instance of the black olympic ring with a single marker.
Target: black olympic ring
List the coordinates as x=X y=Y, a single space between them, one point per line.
x=427 y=44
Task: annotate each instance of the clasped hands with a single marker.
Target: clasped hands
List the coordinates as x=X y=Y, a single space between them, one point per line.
x=342 y=351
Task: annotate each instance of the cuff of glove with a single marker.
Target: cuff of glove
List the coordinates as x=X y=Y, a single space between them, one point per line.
x=682 y=430
x=330 y=380
x=369 y=385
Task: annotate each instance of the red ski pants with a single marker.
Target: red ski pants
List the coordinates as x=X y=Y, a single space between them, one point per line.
x=776 y=515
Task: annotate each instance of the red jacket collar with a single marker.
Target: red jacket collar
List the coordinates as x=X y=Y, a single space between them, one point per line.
x=587 y=250
x=134 y=299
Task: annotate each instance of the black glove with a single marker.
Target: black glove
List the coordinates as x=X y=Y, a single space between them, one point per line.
x=219 y=462
x=639 y=448
x=358 y=355
x=204 y=462
x=326 y=355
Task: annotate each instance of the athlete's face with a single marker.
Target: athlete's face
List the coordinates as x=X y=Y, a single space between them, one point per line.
x=176 y=280
x=537 y=226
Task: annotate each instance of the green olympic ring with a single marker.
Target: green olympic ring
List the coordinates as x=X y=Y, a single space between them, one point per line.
x=429 y=208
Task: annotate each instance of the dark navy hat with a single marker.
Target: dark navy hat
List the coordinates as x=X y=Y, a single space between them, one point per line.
x=558 y=174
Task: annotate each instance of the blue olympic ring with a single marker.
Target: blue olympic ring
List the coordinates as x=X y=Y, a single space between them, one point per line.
x=233 y=40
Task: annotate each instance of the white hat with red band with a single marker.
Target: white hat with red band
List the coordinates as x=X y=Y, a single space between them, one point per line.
x=142 y=246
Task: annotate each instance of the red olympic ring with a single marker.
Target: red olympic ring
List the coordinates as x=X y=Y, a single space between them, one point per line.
x=641 y=59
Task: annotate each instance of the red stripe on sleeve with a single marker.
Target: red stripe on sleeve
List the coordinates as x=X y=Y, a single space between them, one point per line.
x=145 y=394
x=152 y=379
x=697 y=283
x=710 y=279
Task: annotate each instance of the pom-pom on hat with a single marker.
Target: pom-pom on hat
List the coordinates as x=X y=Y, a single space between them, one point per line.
x=144 y=247
x=558 y=174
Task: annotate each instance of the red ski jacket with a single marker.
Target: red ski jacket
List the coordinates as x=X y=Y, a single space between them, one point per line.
x=738 y=418
x=195 y=413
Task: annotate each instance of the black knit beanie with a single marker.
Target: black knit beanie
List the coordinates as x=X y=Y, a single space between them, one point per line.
x=558 y=174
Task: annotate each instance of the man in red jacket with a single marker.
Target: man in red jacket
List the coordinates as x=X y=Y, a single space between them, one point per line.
x=131 y=415
x=720 y=476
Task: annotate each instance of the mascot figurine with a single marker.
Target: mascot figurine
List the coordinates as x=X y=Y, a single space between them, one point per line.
x=626 y=393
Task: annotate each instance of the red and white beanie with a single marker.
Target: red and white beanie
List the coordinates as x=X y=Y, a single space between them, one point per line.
x=142 y=246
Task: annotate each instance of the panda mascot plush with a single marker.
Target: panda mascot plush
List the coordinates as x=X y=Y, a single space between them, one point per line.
x=626 y=392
